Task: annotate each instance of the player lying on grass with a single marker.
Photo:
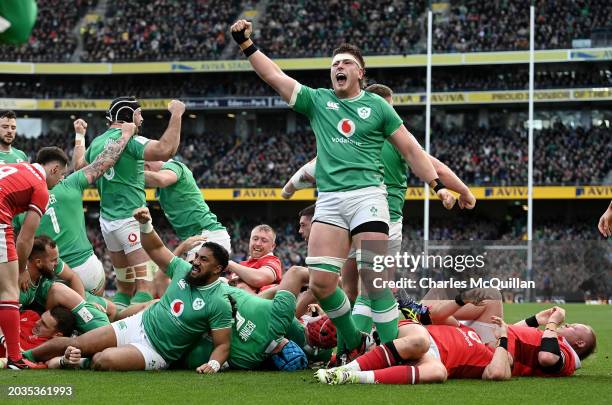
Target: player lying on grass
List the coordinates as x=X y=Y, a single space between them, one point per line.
x=427 y=355
x=195 y=303
x=350 y=127
x=556 y=351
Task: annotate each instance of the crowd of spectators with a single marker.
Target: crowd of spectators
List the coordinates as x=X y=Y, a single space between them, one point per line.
x=480 y=156
x=52 y=39
x=503 y=25
x=143 y=30
x=185 y=86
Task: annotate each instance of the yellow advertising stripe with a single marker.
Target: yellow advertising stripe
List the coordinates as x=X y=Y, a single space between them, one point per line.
x=412 y=193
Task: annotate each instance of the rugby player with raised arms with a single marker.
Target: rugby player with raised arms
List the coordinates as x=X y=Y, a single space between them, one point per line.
x=350 y=126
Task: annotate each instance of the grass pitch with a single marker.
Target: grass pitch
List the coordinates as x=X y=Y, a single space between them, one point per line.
x=592 y=384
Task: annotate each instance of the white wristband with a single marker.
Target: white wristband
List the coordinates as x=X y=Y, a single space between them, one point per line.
x=214 y=364
x=79 y=138
x=146 y=227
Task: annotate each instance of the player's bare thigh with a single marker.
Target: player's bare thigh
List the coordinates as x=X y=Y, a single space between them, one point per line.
x=412 y=341
x=331 y=241
x=124 y=358
x=9 y=274
x=431 y=370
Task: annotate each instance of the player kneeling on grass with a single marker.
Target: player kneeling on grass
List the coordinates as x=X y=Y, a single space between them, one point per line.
x=194 y=304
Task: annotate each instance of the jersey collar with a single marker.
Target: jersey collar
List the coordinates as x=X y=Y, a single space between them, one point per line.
x=209 y=286
x=10 y=149
x=576 y=357
x=352 y=99
x=41 y=169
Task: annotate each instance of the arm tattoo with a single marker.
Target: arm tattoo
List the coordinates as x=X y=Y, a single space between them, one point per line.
x=105 y=160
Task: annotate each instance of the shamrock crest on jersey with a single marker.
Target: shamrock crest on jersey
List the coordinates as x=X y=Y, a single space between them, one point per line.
x=364 y=112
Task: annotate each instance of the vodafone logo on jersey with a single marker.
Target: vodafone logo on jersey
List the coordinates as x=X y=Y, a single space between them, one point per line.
x=346 y=127
x=177 y=307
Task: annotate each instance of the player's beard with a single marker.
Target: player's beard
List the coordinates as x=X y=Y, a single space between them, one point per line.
x=197 y=281
x=3 y=142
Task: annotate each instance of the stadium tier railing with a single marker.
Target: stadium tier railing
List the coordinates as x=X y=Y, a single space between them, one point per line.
x=390 y=61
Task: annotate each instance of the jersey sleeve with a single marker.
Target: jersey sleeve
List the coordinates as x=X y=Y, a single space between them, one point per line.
x=275 y=264
x=177 y=266
x=173 y=167
x=220 y=316
x=136 y=147
x=22 y=155
x=58 y=268
x=77 y=180
x=39 y=199
x=18 y=222
x=391 y=120
x=303 y=99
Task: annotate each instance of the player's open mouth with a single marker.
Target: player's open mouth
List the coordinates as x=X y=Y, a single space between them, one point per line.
x=195 y=270
x=341 y=78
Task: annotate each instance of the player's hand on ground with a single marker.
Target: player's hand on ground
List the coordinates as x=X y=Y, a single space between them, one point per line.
x=24 y=280
x=72 y=356
x=205 y=369
x=467 y=201
x=241 y=31
x=448 y=199
x=176 y=107
x=605 y=223
x=501 y=328
x=80 y=126
x=128 y=128
x=142 y=215
x=557 y=316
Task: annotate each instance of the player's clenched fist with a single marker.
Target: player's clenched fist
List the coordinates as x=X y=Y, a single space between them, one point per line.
x=501 y=329
x=241 y=31
x=142 y=215
x=80 y=126
x=128 y=128
x=467 y=201
x=176 y=107
x=448 y=199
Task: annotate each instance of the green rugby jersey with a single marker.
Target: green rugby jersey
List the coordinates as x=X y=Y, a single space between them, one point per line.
x=122 y=187
x=395 y=179
x=184 y=205
x=13 y=156
x=184 y=313
x=64 y=221
x=350 y=134
x=257 y=325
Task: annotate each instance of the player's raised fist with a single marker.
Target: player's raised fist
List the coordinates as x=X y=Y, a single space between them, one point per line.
x=80 y=126
x=142 y=215
x=501 y=329
x=128 y=128
x=176 y=107
x=241 y=31
x=448 y=199
x=467 y=201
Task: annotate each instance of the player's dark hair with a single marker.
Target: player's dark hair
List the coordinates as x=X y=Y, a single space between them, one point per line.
x=39 y=246
x=219 y=253
x=10 y=114
x=308 y=211
x=52 y=154
x=380 y=89
x=66 y=321
x=122 y=109
x=356 y=52
x=590 y=349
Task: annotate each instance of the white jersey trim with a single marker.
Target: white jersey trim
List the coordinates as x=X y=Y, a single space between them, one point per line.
x=296 y=91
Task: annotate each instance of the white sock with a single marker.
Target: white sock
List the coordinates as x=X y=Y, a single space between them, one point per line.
x=365 y=377
x=353 y=366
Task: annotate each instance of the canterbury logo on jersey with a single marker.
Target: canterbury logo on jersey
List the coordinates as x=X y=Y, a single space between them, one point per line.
x=332 y=106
